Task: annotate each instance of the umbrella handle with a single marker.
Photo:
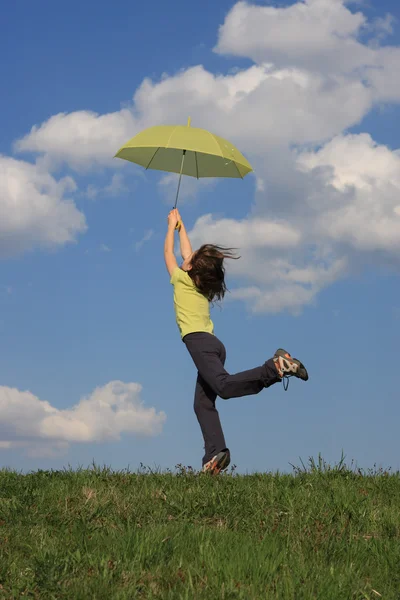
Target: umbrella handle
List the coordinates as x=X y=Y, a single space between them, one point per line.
x=178 y=225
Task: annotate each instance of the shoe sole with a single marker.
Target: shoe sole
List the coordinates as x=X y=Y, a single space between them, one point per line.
x=220 y=462
x=301 y=370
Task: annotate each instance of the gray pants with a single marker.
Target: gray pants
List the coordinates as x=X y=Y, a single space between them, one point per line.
x=209 y=354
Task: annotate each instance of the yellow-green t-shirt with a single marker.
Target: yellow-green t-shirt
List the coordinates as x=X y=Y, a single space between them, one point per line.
x=192 y=309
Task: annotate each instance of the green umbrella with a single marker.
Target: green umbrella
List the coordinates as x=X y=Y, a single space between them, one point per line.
x=185 y=150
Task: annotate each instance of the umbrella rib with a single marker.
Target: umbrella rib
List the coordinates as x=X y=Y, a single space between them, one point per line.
x=216 y=141
x=151 y=160
x=232 y=160
x=172 y=133
x=197 y=166
x=237 y=169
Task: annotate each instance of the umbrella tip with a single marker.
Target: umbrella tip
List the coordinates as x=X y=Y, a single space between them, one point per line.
x=188 y=123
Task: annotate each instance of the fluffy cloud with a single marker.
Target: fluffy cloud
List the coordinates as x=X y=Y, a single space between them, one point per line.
x=318 y=35
x=116 y=187
x=111 y=410
x=367 y=216
x=275 y=271
x=315 y=33
x=339 y=203
x=82 y=138
x=256 y=108
x=324 y=200
x=251 y=233
x=286 y=286
x=313 y=78
x=33 y=208
x=385 y=76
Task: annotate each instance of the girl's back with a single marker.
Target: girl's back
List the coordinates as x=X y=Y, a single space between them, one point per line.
x=192 y=308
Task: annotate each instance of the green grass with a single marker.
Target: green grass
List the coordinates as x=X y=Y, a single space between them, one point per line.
x=321 y=532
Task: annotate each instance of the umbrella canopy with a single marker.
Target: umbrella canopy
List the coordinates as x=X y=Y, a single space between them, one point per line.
x=163 y=147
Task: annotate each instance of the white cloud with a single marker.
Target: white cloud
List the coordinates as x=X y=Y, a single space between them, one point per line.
x=341 y=205
x=313 y=79
x=82 y=139
x=274 y=265
x=382 y=26
x=111 y=410
x=116 y=185
x=314 y=33
x=114 y=188
x=252 y=233
x=147 y=236
x=91 y=191
x=322 y=36
x=365 y=216
x=323 y=200
x=34 y=209
x=385 y=75
x=356 y=160
x=260 y=184
x=283 y=297
x=259 y=107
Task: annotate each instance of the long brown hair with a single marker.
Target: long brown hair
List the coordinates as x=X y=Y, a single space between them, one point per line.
x=208 y=272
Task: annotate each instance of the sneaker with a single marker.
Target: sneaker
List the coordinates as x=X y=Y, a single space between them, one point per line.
x=289 y=367
x=218 y=463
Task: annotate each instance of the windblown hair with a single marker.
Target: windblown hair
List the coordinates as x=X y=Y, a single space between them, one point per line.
x=208 y=272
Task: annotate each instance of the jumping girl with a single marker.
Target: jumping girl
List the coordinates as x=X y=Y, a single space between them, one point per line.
x=197 y=283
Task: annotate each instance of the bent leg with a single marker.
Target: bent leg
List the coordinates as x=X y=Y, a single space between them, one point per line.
x=208 y=418
x=208 y=354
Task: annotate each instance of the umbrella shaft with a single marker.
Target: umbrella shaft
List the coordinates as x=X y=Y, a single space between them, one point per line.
x=180 y=177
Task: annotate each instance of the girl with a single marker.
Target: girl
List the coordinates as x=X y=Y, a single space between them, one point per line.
x=199 y=281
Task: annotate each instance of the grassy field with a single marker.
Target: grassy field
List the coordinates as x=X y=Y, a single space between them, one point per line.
x=321 y=532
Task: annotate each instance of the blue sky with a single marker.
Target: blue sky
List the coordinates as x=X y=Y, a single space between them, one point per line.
x=97 y=307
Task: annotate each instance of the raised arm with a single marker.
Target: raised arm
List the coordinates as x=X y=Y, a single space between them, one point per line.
x=169 y=255
x=186 y=248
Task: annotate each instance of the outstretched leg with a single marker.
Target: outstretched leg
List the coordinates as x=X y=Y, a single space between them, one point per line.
x=208 y=354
